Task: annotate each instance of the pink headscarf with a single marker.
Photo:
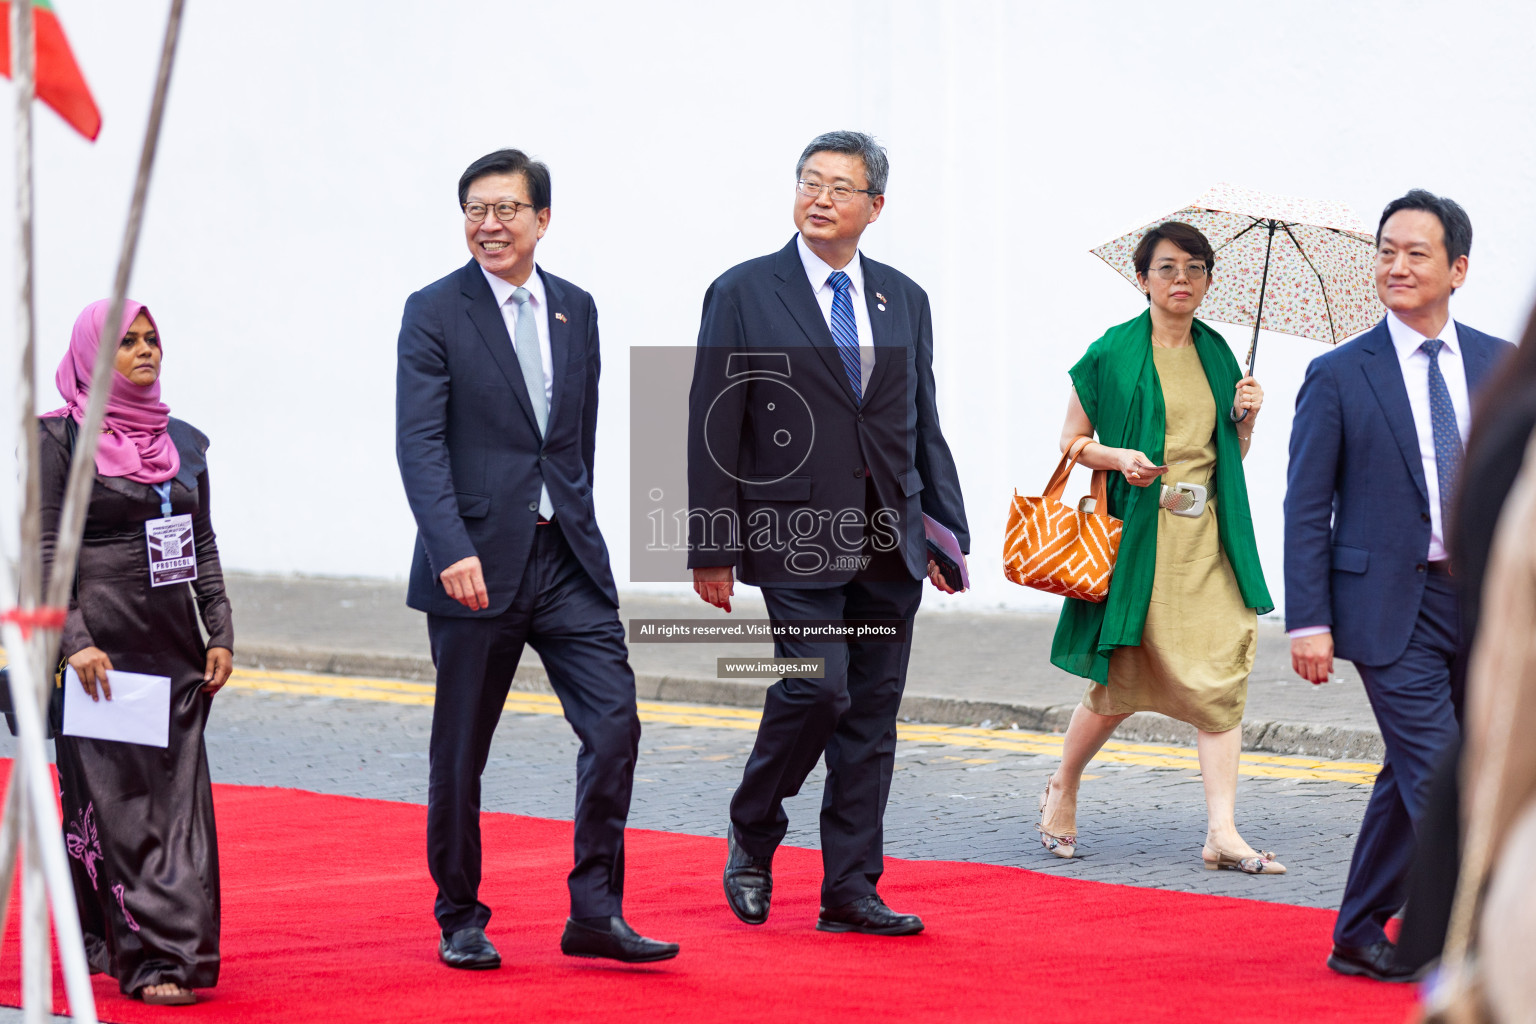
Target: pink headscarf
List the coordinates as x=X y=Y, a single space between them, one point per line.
x=134 y=443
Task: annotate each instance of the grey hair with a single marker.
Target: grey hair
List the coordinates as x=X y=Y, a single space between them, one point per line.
x=877 y=166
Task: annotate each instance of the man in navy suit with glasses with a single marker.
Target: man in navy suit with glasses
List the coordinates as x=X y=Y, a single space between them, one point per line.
x=496 y=426
x=814 y=451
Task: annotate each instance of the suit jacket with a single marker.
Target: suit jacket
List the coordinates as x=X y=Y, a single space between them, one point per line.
x=1357 y=522
x=468 y=445
x=780 y=453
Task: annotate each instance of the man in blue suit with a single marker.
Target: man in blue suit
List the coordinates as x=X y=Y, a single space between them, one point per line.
x=1375 y=447
x=496 y=426
x=814 y=450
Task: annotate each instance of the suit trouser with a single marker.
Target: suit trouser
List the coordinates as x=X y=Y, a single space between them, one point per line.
x=1412 y=701
x=566 y=618
x=849 y=715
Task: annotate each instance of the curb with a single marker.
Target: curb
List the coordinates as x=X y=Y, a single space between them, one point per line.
x=1293 y=738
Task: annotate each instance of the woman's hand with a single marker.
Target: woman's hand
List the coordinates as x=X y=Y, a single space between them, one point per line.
x=91 y=664
x=1137 y=469
x=221 y=662
x=1249 y=398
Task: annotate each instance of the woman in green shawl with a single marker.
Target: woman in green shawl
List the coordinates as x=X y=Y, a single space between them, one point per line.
x=1177 y=632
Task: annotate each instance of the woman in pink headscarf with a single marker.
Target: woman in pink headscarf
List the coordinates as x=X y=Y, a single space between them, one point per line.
x=138 y=819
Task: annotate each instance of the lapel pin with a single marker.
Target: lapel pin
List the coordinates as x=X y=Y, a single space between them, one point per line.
x=561 y=317
x=880 y=306
x=880 y=297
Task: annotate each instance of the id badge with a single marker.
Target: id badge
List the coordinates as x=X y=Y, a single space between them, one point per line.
x=172 y=555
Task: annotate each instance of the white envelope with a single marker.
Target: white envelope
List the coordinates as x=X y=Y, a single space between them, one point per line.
x=139 y=711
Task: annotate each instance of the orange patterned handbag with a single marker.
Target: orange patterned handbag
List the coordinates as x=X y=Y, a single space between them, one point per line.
x=1058 y=549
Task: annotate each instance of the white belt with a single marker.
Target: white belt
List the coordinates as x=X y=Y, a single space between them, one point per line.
x=1186 y=500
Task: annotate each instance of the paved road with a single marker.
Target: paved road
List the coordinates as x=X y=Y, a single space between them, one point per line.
x=958 y=794
x=967 y=666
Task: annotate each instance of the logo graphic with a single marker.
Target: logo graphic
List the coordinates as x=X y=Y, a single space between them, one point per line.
x=783 y=411
x=81 y=840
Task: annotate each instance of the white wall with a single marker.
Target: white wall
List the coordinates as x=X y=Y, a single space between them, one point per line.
x=306 y=186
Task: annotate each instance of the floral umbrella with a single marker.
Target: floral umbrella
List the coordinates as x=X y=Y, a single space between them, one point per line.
x=1297 y=266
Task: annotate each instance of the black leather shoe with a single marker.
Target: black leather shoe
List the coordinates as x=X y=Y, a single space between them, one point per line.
x=869 y=915
x=1378 y=961
x=617 y=942
x=748 y=881
x=469 y=950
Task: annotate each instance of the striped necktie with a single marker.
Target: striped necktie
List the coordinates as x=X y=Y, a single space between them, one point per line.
x=845 y=331
x=1442 y=419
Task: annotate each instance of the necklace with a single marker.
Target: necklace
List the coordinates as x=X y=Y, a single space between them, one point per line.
x=1187 y=340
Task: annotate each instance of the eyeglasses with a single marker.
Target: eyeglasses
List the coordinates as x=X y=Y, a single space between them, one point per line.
x=840 y=193
x=505 y=210
x=1169 y=271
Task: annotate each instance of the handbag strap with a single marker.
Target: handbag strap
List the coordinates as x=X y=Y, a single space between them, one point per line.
x=1058 y=482
x=1100 y=490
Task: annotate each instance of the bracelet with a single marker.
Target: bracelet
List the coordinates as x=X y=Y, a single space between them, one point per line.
x=1249 y=437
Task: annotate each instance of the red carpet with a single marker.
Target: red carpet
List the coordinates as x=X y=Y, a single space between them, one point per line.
x=327 y=917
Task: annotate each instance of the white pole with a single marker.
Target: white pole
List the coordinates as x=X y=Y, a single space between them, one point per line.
x=36 y=976
x=22 y=70
x=36 y=968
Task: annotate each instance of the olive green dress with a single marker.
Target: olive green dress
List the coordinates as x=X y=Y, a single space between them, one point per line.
x=1197 y=648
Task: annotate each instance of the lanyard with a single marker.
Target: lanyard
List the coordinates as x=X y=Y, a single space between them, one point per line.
x=164 y=490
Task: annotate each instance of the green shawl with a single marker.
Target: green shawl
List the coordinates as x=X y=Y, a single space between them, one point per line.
x=1116 y=382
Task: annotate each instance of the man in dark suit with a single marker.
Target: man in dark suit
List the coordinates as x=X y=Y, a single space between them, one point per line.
x=814 y=450
x=1375 y=449
x=496 y=425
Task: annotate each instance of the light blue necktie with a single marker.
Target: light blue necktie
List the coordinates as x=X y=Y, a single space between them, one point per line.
x=1442 y=419
x=526 y=341
x=845 y=331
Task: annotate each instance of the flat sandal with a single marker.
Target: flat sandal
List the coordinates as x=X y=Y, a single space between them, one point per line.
x=1261 y=863
x=186 y=997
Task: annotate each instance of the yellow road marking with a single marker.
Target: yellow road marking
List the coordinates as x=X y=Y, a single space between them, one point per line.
x=394 y=691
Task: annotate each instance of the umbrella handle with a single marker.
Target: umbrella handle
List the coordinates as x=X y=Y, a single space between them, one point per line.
x=1253 y=353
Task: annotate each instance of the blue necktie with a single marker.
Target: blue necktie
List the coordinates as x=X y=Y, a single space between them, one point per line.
x=845 y=331
x=1442 y=418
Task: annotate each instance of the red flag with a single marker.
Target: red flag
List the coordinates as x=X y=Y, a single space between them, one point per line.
x=59 y=81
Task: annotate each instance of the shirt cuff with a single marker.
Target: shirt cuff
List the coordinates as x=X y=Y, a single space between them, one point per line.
x=1297 y=634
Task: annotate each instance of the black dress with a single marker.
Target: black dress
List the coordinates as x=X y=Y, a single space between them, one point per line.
x=138 y=820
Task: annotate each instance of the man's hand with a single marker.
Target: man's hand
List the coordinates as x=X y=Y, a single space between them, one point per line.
x=221 y=662
x=936 y=577
x=1312 y=657
x=91 y=664
x=465 y=583
x=715 y=584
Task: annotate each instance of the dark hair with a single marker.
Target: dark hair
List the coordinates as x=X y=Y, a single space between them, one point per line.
x=877 y=166
x=509 y=161
x=1454 y=222
x=1185 y=236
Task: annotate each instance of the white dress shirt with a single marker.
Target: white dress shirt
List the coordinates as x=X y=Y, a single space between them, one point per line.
x=536 y=298
x=818 y=271
x=1415 y=365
